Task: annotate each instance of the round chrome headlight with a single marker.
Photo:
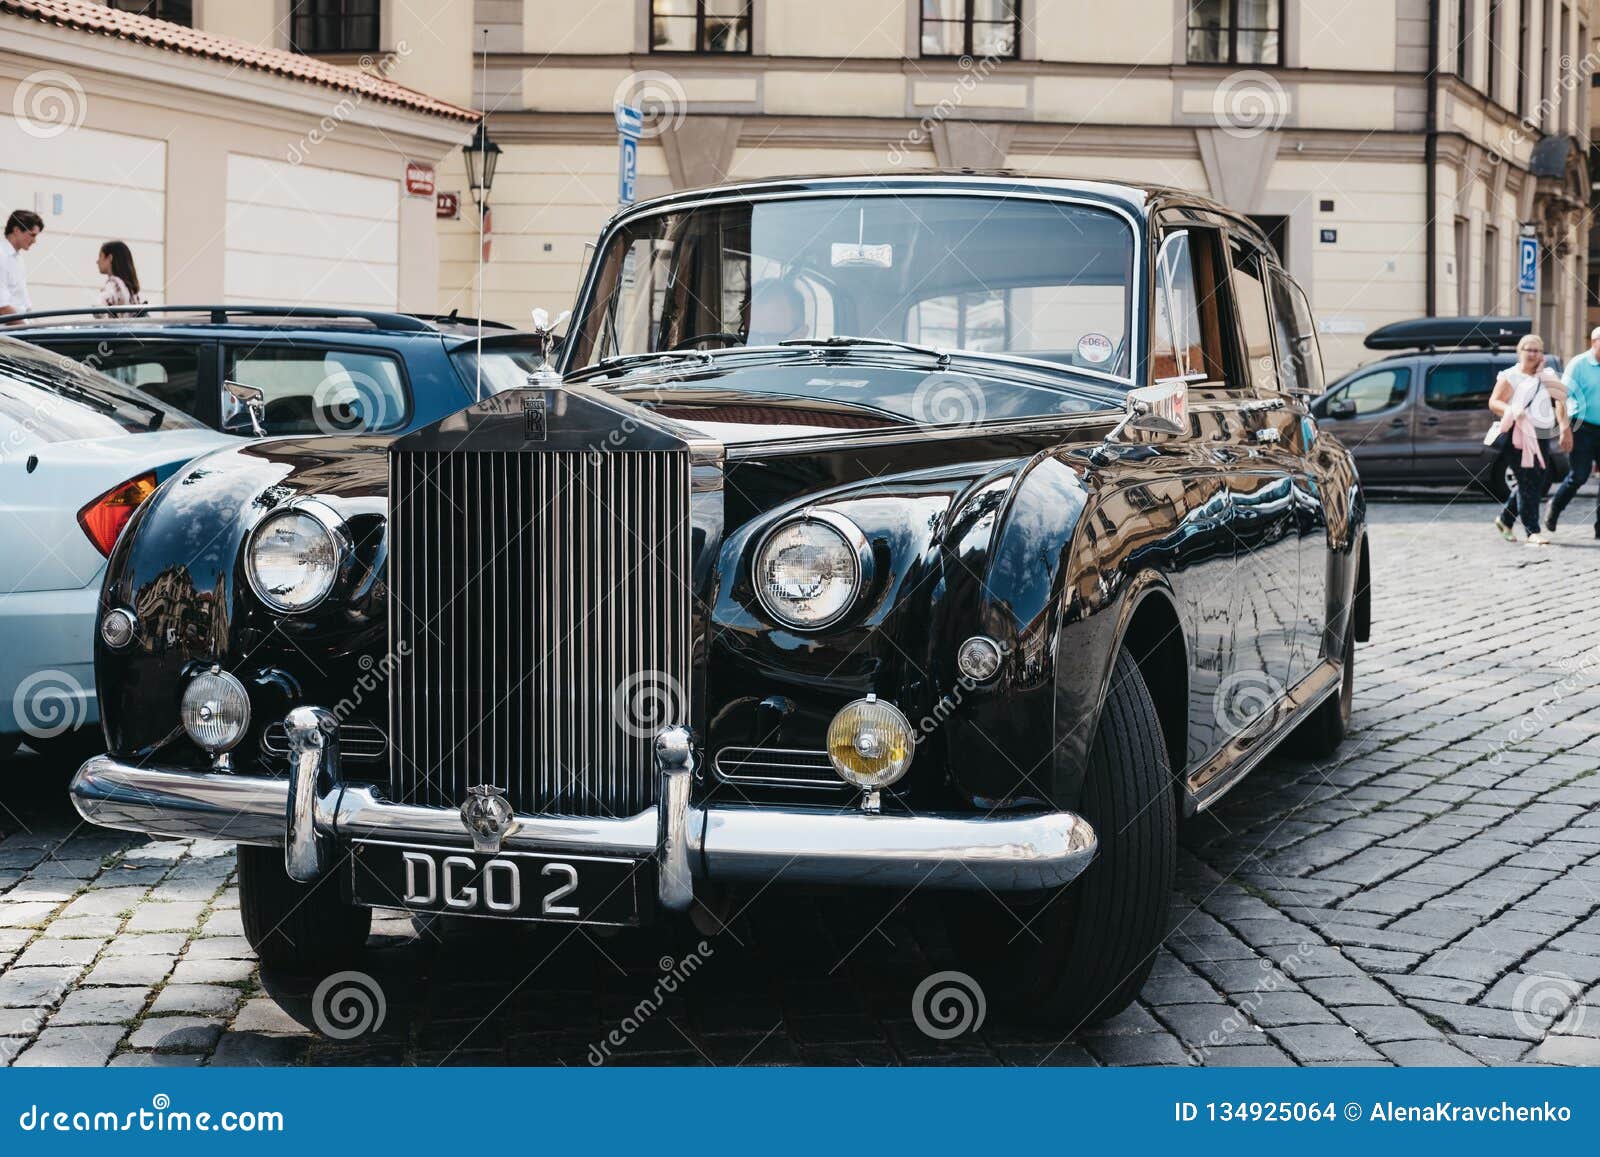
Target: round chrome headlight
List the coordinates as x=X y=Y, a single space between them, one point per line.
x=294 y=557
x=808 y=572
x=215 y=710
x=870 y=743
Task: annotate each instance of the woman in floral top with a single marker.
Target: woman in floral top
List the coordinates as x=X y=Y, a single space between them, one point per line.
x=122 y=280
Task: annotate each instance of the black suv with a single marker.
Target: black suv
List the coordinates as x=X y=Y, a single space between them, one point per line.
x=319 y=371
x=1417 y=416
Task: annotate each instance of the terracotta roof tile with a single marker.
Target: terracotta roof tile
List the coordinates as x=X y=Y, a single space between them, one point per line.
x=97 y=18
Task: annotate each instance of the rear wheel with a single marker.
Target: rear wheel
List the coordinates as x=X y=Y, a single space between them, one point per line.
x=1326 y=727
x=1083 y=952
x=295 y=927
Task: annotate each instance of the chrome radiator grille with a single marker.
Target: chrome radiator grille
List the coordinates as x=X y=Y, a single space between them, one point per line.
x=540 y=615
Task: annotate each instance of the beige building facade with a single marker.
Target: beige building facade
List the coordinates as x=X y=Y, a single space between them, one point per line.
x=233 y=175
x=1395 y=150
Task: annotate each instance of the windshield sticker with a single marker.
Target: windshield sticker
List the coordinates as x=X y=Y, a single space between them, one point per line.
x=847 y=254
x=1094 y=348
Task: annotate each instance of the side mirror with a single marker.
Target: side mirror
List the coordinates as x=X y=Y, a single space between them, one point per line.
x=254 y=401
x=1343 y=408
x=1159 y=409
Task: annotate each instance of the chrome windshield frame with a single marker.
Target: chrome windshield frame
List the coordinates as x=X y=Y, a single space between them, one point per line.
x=1137 y=305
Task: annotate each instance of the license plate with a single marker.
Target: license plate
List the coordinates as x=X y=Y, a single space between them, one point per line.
x=510 y=886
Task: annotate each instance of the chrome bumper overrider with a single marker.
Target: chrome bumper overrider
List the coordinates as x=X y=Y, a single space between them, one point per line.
x=313 y=812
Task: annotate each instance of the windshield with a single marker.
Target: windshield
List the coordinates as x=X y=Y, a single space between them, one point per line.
x=1042 y=279
x=60 y=400
x=503 y=369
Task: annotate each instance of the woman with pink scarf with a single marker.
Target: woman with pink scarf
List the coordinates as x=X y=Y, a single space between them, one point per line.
x=1530 y=403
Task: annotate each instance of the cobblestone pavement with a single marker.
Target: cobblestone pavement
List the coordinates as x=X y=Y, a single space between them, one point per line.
x=1429 y=897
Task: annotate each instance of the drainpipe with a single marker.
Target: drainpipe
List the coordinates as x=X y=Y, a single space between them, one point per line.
x=1430 y=155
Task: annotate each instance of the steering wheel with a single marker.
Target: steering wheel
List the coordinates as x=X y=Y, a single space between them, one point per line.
x=715 y=335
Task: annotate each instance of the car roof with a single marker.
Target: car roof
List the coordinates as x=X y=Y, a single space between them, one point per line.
x=196 y=320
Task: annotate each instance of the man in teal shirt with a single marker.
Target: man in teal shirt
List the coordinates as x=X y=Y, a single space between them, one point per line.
x=1583 y=407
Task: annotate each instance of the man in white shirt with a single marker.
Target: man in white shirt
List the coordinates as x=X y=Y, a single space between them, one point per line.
x=22 y=230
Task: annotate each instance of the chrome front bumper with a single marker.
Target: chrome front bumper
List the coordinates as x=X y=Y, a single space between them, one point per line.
x=312 y=812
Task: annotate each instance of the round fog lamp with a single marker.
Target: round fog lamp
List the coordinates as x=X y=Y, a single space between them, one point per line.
x=117 y=628
x=870 y=743
x=215 y=710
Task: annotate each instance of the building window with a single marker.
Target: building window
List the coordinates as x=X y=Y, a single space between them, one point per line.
x=699 y=25
x=1464 y=39
x=333 y=25
x=1462 y=304
x=1491 y=24
x=1524 y=31
x=176 y=11
x=987 y=28
x=1491 y=271
x=1235 y=32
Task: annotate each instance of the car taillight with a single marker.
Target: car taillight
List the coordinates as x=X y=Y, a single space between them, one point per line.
x=103 y=519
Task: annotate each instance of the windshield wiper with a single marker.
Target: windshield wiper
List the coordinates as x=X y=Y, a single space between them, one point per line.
x=844 y=341
x=616 y=360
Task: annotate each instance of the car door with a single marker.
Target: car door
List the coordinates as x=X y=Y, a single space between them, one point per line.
x=316 y=388
x=1371 y=413
x=1234 y=543
x=1300 y=375
x=1261 y=477
x=1447 y=426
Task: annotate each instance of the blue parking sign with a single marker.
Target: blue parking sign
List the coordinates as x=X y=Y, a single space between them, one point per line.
x=1528 y=265
x=627 y=169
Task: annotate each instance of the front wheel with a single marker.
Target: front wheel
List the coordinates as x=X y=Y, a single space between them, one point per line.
x=295 y=927
x=1082 y=953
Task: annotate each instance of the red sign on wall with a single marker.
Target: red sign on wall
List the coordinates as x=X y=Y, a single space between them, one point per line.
x=419 y=179
x=448 y=206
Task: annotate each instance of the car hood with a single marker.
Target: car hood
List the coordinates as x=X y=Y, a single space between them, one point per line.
x=802 y=394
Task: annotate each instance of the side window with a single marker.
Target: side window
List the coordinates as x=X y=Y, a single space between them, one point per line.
x=168 y=371
x=1372 y=392
x=1459 y=386
x=1294 y=333
x=1255 y=325
x=317 y=391
x=1187 y=331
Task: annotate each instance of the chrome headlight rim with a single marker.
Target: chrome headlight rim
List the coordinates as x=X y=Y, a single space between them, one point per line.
x=855 y=540
x=331 y=523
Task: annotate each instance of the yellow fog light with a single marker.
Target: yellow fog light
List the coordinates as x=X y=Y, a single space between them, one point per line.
x=870 y=743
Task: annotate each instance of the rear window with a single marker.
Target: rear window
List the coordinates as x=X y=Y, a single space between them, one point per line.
x=56 y=399
x=503 y=369
x=167 y=370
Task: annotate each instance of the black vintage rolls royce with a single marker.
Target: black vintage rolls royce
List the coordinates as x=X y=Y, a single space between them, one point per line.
x=951 y=534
